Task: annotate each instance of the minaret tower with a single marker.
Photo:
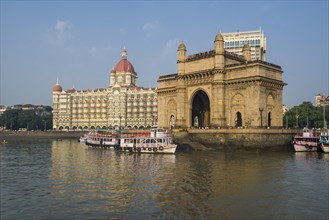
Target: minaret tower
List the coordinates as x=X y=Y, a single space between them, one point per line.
x=181 y=58
x=57 y=89
x=219 y=51
x=246 y=52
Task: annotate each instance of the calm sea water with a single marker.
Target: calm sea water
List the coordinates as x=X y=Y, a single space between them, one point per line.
x=66 y=180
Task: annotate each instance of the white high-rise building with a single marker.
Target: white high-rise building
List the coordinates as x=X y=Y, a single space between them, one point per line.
x=234 y=42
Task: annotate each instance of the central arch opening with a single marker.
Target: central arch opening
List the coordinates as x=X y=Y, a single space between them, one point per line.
x=200 y=110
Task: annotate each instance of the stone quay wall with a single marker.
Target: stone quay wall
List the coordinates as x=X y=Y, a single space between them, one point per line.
x=201 y=139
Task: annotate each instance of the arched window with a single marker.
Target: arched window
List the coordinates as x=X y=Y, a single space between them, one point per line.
x=269 y=119
x=238 y=119
x=172 y=122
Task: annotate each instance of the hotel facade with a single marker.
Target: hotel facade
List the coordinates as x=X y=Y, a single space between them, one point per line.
x=122 y=104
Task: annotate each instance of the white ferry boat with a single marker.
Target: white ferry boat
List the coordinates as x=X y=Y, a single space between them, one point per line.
x=155 y=141
x=308 y=140
x=100 y=138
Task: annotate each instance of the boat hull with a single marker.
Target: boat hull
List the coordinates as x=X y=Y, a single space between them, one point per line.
x=306 y=148
x=170 y=149
x=99 y=145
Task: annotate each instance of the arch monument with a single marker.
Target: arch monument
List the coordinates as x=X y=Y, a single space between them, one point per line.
x=218 y=88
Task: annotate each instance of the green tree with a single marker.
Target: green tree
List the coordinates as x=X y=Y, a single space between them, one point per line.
x=28 y=119
x=9 y=119
x=47 y=121
x=304 y=115
x=14 y=119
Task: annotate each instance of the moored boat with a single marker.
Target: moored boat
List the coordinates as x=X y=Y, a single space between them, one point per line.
x=324 y=141
x=100 y=139
x=308 y=140
x=155 y=141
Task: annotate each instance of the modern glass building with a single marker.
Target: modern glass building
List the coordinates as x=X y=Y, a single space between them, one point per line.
x=234 y=42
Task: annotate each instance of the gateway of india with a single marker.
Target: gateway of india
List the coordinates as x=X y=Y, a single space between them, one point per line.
x=216 y=88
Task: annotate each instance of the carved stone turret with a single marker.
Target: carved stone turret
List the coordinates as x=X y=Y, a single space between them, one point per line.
x=181 y=58
x=219 y=51
x=246 y=52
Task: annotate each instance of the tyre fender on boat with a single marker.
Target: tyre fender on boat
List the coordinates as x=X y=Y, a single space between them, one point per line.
x=161 y=148
x=155 y=149
x=150 y=149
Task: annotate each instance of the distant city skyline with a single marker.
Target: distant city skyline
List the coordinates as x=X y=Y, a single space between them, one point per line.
x=80 y=42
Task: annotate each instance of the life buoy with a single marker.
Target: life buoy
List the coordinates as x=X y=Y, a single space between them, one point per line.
x=161 y=148
x=144 y=148
x=155 y=149
x=150 y=149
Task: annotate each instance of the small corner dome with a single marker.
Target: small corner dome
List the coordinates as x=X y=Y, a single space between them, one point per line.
x=182 y=46
x=57 y=88
x=219 y=37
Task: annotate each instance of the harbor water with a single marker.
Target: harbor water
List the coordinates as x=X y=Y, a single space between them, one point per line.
x=45 y=179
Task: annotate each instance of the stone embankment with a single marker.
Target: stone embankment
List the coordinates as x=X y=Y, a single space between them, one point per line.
x=209 y=139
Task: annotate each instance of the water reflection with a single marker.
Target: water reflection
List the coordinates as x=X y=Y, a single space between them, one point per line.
x=106 y=180
x=66 y=180
x=202 y=185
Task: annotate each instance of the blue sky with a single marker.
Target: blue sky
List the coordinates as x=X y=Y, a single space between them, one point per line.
x=79 y=42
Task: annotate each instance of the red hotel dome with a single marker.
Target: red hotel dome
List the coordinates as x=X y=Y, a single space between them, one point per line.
x=57 y=87
x=124 y=65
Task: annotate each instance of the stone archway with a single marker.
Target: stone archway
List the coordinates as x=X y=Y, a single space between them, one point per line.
x=200 y=109
x=171 y=113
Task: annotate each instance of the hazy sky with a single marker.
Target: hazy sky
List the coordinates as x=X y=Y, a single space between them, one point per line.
x=79 y=42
